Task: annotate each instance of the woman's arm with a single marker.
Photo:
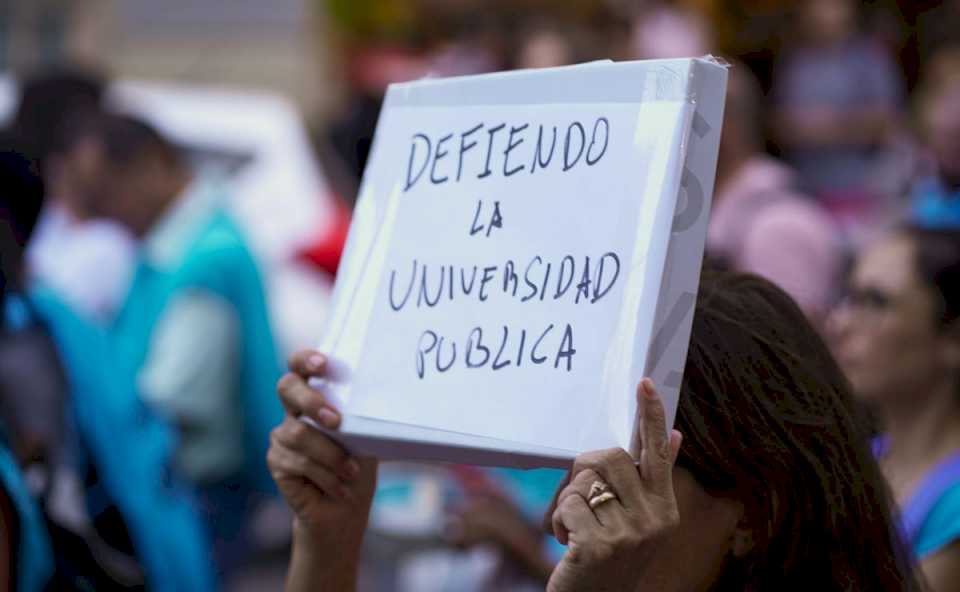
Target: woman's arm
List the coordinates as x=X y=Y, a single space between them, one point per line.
x=315 y=566
x=329 y=491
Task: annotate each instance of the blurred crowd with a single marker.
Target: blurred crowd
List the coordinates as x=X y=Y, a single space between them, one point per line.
x=141 y=342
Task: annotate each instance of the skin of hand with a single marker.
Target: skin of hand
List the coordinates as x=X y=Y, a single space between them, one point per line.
x=329 y=491
x=610 y=547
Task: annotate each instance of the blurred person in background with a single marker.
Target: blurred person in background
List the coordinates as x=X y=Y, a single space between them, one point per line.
x=662 y=30
x=65 y=410
x=836 y=95
x=26 y=558
x=544 y=45
x=760 y=222
x=897 y=336
x=88 y=261
x=194 y=325
x=935 y=198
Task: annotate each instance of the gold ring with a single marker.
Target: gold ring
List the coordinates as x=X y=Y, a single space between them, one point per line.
x=598 y=487
x=600 y=493
x=603 y=498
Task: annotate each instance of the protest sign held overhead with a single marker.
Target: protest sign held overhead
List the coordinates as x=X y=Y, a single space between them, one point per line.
x=525 y=248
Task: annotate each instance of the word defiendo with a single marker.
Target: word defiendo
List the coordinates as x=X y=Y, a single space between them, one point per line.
x=478 y=156
x=436 y=352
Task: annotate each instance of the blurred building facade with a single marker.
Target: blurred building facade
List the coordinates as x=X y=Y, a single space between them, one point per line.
x=278 y=45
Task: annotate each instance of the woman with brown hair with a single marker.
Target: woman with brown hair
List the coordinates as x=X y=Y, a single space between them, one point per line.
x=897 y=336
x=773 y=488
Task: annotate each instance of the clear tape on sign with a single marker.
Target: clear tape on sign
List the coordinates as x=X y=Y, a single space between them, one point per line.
x=662 y=162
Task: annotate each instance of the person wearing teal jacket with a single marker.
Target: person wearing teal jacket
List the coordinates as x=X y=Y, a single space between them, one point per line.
x=194 y=326
x=131 y=449
x=129 y=446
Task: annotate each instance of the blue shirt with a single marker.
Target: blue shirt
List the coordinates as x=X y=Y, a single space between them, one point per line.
x=942 y=526
x=934 y=205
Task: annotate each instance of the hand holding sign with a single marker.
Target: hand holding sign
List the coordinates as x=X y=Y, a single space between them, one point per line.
x=612 y=545
x=329 y=491
x=331 y=495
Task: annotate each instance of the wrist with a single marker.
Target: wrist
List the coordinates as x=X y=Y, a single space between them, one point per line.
x=326 y=545
x=334 y=562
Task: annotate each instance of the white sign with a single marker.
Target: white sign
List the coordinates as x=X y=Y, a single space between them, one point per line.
x=525 y=248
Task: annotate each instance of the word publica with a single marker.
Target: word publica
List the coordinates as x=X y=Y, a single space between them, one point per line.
x=536 y=348
x=581 y=281
x=579 y=145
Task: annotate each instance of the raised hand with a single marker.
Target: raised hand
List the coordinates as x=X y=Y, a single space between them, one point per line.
x=614 y=512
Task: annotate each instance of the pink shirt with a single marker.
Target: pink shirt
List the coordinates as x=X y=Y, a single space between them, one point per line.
x=759 y=224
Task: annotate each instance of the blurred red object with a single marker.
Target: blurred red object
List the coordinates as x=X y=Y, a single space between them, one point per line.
x=477 y=482
x=326 y=249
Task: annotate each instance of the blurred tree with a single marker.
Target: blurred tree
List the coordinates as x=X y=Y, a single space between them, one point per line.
x=374 y=21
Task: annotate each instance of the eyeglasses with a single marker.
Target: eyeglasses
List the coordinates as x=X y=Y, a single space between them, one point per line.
x=868 y=299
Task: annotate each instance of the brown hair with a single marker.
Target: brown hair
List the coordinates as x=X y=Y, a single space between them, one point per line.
x=768 y=419
x=936 y=254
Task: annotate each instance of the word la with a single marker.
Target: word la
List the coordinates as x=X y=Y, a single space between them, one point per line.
x=496 y=220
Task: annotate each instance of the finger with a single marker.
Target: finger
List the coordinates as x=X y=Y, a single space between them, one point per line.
x=308 y=363
x=299 y=398
x=548 y=515
x=655 y=465
x=573 y=515
x=616 y=467
x=287 y=464
x=317 y=446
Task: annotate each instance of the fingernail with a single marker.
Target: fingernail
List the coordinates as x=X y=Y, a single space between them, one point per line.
x=649 y=389
x=316 y=361
x=328 y=418
x=345 y=492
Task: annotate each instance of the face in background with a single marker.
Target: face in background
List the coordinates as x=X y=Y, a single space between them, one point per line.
x=665 y=32
x=886 y=336
x=545 y=49
x=942 y=122
x=828 y=21
x=138 y=190
x=74 y=176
